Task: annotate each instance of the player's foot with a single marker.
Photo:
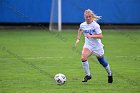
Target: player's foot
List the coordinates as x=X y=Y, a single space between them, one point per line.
x=110 y=79
x=86 y=78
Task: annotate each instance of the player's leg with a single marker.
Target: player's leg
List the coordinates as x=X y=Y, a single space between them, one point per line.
x=85 y=54
x=105 y=64
x=100 y=56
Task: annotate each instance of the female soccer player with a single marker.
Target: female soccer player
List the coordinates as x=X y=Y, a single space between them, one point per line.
x=93 y=45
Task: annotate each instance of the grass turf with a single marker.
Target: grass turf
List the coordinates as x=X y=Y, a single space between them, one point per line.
x=30 y=59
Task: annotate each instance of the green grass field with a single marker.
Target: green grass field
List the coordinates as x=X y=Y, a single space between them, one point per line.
x=30 y=59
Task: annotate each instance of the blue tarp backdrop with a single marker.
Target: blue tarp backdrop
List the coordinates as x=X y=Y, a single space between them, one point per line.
x=38 y=11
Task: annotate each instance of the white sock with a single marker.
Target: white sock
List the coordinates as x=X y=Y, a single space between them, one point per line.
x=108 y=70
x=86 y=67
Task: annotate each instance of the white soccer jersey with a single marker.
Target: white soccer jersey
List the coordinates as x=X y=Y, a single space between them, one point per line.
x=92 y=28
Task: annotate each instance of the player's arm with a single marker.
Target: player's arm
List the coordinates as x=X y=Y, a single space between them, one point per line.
x=98 y=36
x=78 y=37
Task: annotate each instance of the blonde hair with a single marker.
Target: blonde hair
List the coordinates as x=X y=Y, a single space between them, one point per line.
x=94 y=16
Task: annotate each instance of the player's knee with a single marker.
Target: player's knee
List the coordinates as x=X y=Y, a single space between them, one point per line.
x=84 y=59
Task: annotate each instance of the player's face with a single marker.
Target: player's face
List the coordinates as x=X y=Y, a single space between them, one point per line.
x=88 y=17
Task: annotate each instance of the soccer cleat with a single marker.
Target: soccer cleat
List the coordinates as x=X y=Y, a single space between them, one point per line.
x=86 y=78
x=110 y=79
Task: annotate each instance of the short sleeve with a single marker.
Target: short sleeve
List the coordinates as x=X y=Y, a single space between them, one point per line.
x=98 y=29
x=81 y=27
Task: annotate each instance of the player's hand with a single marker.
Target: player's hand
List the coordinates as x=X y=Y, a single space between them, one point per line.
x=89 y=36
x=76 y=43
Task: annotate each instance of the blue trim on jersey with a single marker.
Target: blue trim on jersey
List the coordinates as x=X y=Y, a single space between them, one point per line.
x=91 y=31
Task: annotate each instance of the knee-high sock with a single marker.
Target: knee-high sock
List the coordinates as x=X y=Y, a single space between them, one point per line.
x=86 y=67
x=105 y=64
x=108 y=70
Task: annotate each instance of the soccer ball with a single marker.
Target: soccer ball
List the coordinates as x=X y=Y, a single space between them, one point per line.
x=60 y=79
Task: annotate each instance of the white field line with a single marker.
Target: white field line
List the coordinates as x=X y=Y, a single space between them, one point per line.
x=63 y=57
x=38 y=58
x=126 y=56
x=45 y=58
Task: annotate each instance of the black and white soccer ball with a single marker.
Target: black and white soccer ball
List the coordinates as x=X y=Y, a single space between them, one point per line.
x=60 y=79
